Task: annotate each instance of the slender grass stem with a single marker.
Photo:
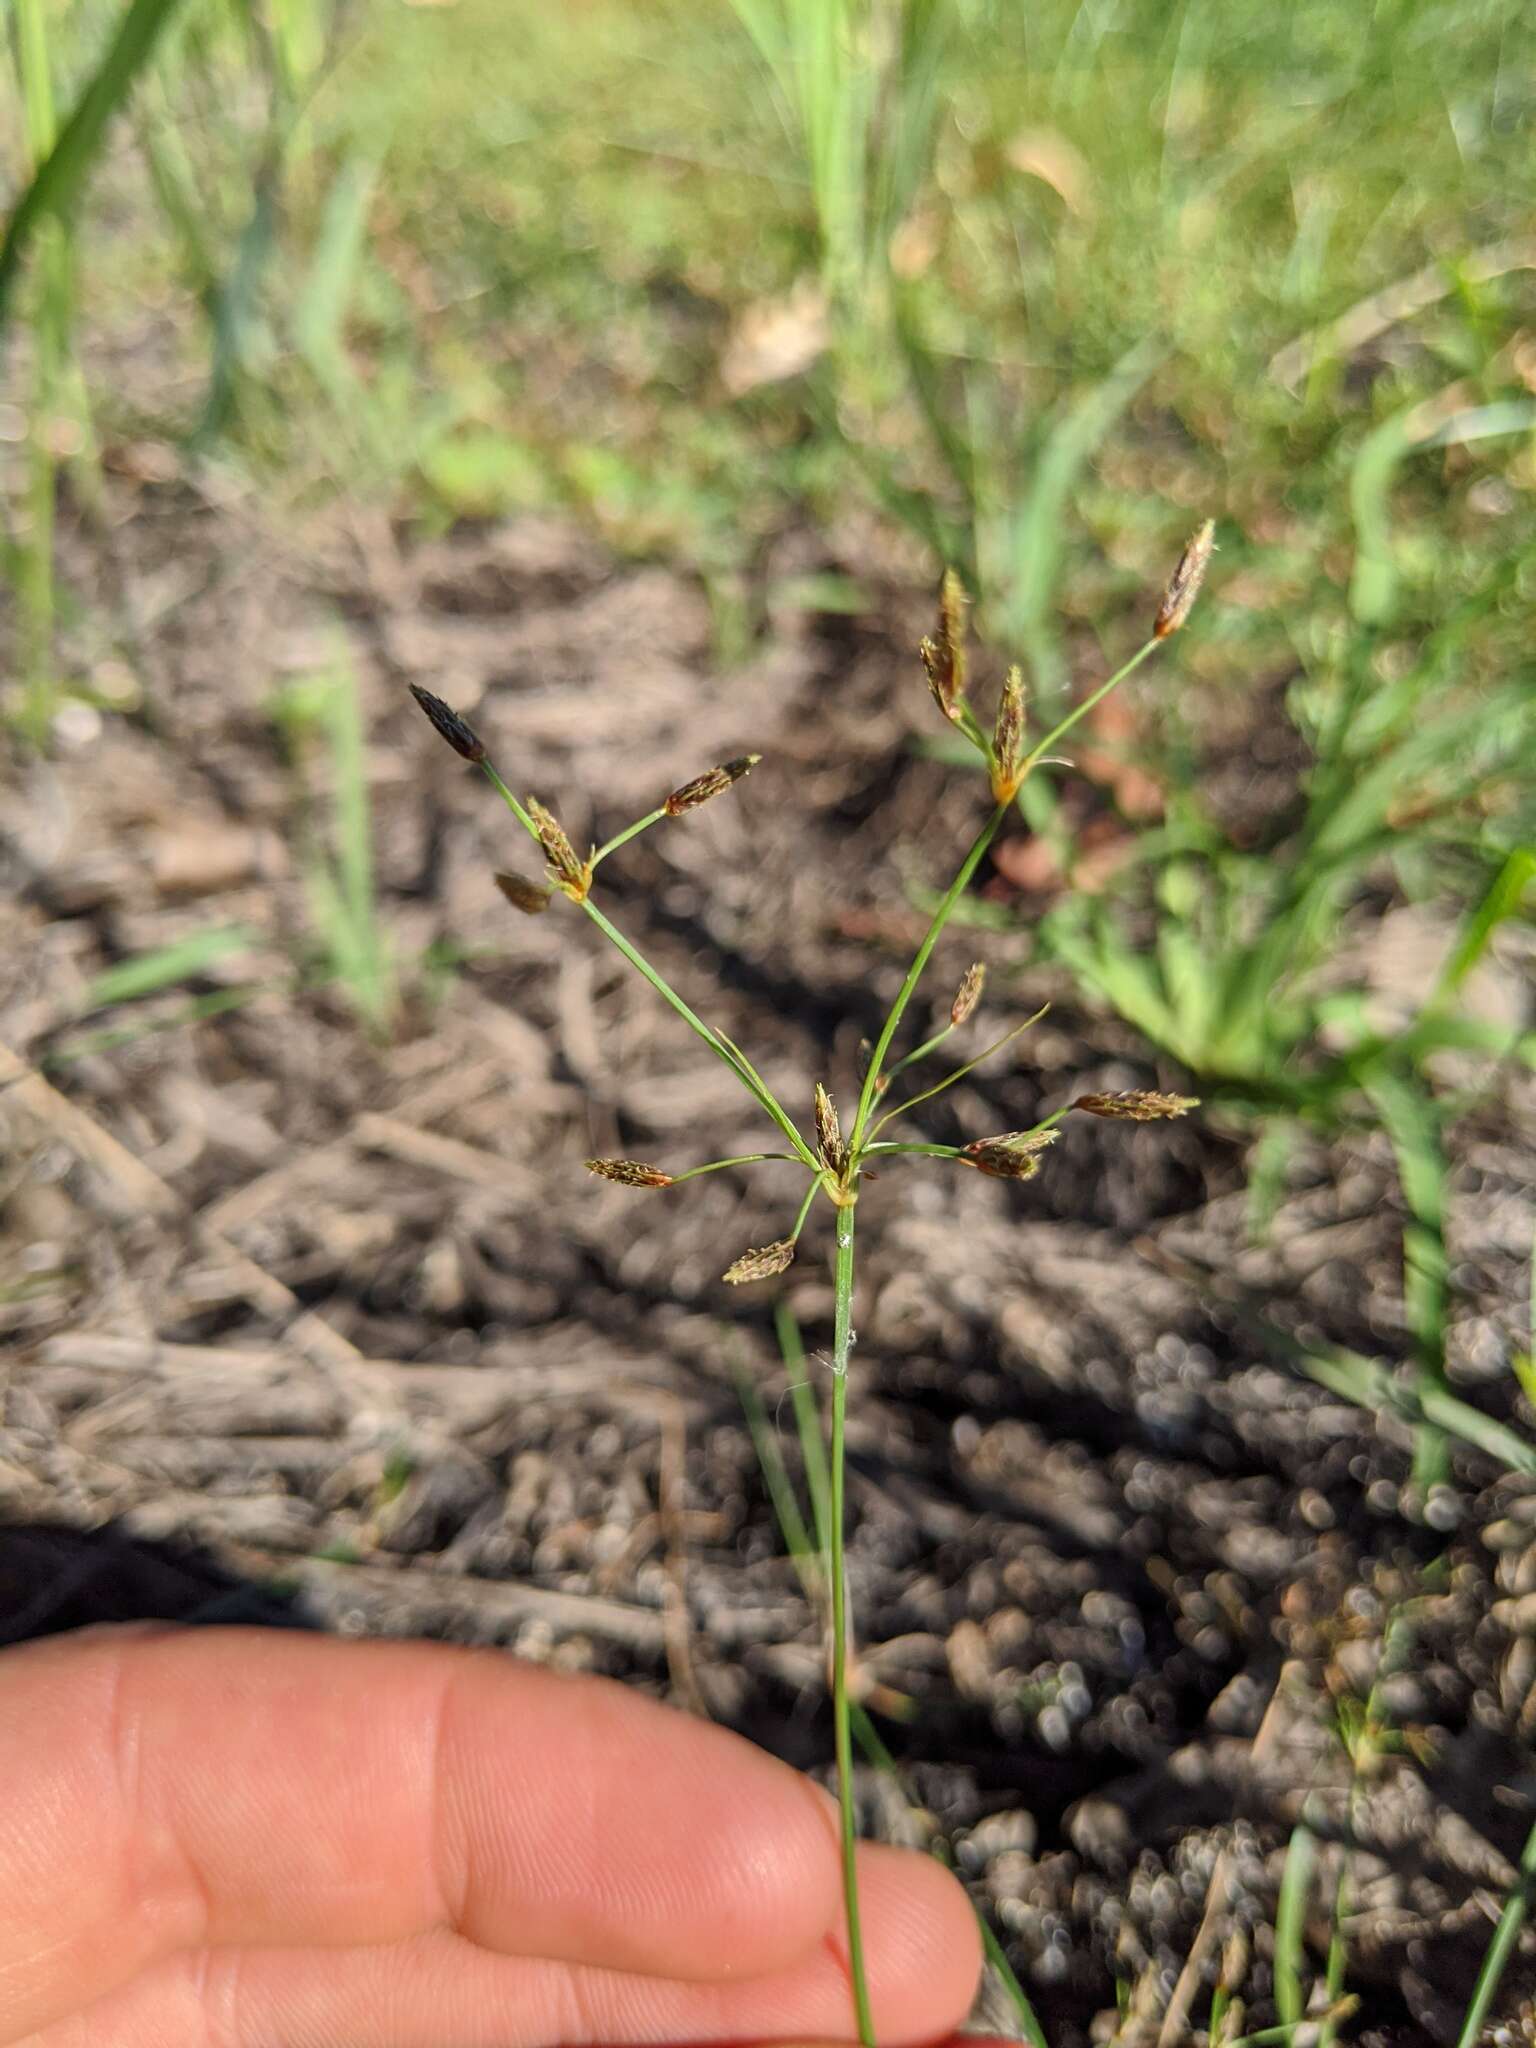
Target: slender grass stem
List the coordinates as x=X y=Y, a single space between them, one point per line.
x=741 y=1159
x=920 y=959
x=630 y=832
x=712 y=1039
x=805 y=1208
x=919 y=1052
x=1082 y=710
x=842 y=1346
x=510 y=801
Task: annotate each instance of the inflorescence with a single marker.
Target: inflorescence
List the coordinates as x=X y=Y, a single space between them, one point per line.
x=834 y=1157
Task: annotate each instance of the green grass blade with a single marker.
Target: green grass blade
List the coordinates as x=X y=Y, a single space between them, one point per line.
x=764 y=22
x=813 y=1446
x=1034 y=2033
x=147 y=973
x=1290 y=1926
x=781 y=1492
x=1370 y=1385
x=89 y=1044
x=1373 y=587
x=176 y=193
x=320 y=312
x=1500 y=1948
x=341 y=879
x=1504 y=900
x=1338 y=1962
x=1032 y=540
x=236 y=304
x=1411 y=1122
x=1289 y=2031
x=1267 y=1165
x=56 y=187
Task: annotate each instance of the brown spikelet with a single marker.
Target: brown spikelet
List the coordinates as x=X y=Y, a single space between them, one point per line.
x=565 y=870
x=1137 y=1105
x=1184 y=583
x=952 y=604
x=829 y=1136
x=943 y=655
x=1008 y=739
x=1015 y=1155
x=523 y=895
x=713 y=782
x=761 y=1263
x=1001 y=1162
x=447 y=722
x=629 y=1173
x=969 y=993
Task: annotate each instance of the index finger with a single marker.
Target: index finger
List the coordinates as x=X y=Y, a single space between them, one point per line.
x=239 y=1786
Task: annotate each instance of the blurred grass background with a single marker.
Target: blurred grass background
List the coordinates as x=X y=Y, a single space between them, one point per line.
x=482 y=257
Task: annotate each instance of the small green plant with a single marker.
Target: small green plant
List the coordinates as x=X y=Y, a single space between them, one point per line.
x=323 y=707
x=1230 y=959
x=835 y=1158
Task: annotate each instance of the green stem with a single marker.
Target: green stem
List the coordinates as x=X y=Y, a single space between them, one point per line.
x=719 y=1165
x=510 y=801
x=712 y=1039
x=1082 y=710
x=805 y=1209
x=941 y=918
x=630 y=832
x=920 y=1052
x=1500 y=1948
x=842 y=1345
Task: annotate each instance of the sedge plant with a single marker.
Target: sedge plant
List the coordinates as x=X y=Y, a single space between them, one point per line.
x=835 y=1157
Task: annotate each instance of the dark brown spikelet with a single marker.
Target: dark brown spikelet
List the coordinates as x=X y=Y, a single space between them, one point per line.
x=630 y=1173
x=968 y=994
x=1008 y=739
x=566 y=871
x=523 y=895
x=446 y=721
x=1184 y=584
x=1137 y=1105
x=1015 y=1155
x=943 y=655
x=761 y=1263
x=713 y=782
x=829 y=1136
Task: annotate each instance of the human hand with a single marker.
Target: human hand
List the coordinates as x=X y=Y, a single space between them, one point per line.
x=237 y=1838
